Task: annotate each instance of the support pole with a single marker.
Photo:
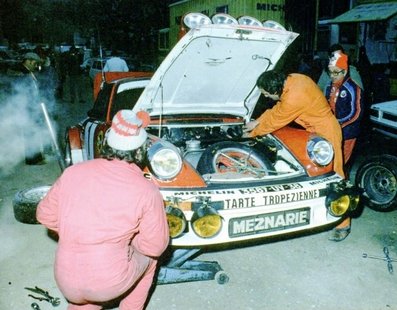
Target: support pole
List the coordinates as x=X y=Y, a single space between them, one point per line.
x=61 y=162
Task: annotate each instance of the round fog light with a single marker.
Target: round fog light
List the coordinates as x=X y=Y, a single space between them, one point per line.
x=339 y=206
x=354 y=201
x=176 y=221
x=206 y=222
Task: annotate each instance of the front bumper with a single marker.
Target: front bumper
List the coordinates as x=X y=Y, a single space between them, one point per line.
x=252 y=212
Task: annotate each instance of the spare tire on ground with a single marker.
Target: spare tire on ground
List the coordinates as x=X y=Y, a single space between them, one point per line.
x=25 y=203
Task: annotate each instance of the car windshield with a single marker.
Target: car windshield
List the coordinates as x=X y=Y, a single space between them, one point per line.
x=99 y=109
x=124 y=99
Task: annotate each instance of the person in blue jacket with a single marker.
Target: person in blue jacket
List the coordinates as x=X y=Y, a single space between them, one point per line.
x=345 y=97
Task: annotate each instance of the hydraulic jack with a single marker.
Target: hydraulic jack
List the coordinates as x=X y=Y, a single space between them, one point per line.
x=181 y=268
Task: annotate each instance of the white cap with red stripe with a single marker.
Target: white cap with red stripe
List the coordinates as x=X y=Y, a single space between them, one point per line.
x=127 y=131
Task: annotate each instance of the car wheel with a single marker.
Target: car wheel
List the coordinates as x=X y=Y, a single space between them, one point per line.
x=25 y=204
x=234 y=157
x=377 y=176
x=221 y=277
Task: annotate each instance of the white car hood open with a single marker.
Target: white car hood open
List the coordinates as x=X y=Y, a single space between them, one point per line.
x=213 y=70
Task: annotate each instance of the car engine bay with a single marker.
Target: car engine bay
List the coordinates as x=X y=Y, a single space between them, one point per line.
x=203 y=145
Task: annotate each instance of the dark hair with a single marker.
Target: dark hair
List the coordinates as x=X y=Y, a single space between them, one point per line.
x=271 y=81
x=137 y=156
x=335 y=47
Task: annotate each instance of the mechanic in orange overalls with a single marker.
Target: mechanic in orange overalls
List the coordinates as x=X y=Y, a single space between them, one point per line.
x=345 y=99
x=110 y=220
x=298 y=99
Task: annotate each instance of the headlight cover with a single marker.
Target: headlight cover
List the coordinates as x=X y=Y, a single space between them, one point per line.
x=165 y=160
x=320 y=151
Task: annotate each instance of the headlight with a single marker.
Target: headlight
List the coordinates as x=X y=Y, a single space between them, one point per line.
x=320 y=151
x=165 y=160
x=206 y=221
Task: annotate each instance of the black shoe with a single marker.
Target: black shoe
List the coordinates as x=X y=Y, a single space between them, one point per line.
x=339 y=234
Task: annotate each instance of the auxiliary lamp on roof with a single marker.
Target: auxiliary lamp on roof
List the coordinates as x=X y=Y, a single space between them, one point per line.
x=193 y=20
x=249 y=21
x=224 y=19
x=274 y=25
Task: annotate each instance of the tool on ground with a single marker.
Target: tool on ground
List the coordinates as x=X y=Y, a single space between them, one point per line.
x=386 y=258
x=54 y=301
x=35 y=306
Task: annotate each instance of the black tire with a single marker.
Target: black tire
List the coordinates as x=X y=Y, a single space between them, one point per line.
x=377 y=176
x=213 y=159
x=25 y=204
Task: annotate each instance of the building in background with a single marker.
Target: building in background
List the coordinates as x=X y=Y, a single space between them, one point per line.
x=371 y=25
x=261 y=10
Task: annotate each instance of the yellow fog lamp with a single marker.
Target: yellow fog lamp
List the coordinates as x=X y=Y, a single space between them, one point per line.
x=206 y=222
x=354 y=194
x=337 y=204
x=354 y=201
x=176 y=221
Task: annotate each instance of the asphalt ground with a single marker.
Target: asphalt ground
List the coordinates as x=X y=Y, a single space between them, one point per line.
x=300 y=272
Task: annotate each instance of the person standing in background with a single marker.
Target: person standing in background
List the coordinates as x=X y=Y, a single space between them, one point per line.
x=73 y=69
x=25 y=84
x=61 y=70
x=324 y=78
x=115 y=64
x=345 y=98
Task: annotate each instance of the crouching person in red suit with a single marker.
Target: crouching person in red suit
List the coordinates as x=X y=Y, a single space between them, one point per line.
x=110 y=220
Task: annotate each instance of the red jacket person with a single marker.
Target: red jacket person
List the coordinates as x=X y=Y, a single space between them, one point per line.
x=110 y=220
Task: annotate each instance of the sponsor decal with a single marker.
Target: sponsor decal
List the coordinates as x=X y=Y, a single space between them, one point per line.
x=248 y=190
x=325 y=180
x=270 y=7
x=270 y=188
x=257 y=224
x=203 y=193
x=270 y=199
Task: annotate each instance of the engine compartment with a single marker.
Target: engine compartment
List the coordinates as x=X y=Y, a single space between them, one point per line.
x=198 y=141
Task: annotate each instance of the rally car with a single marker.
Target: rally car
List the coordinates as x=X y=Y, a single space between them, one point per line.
x=219 y=187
